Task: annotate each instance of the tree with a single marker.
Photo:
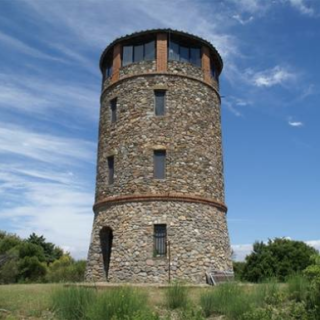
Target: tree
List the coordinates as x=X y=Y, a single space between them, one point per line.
x=279 y=258
x=51 y=252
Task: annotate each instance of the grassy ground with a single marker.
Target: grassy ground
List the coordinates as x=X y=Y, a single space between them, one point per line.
x=26 y=301
x=32 y=301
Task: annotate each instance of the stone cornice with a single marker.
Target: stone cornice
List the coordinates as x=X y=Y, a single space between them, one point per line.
x=159 y=197
x=148 y=74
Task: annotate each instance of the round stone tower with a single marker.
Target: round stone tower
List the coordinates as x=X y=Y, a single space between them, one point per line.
x=159 y=208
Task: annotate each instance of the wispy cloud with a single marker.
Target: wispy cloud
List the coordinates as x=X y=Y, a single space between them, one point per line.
x=16 y=44
x=56 y=205
x=302 y=7
x=19 y=141
x=43 y=188
x=295 y=124
x=270 y=77
x=43 y=97
x=242 y=20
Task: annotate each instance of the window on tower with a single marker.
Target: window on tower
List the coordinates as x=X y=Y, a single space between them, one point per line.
x=159 y=164
x=184 y=53
x=159 y=98
x=160 y=240
x=110 y=170
x=113 y=110
x=138 y=52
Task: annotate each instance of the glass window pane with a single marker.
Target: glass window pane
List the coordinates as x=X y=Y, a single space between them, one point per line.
x=195 y=56
x=213 y=71
x=149 y=53
x=127 y=56
x=184 y=54
x=173 y=51
x=111 y=169
x=138 y=53
x=159 y=102
x=159 y=164
x=160 y=239
x=113 y=108
x=109 y=71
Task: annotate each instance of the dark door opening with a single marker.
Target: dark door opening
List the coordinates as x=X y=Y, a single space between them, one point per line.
x=106 y=237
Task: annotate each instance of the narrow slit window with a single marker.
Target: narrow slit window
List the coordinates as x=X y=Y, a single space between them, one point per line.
x=160 y=97
x=113 y=110
x=111 y=170
x=159 y=164
x=160 y=240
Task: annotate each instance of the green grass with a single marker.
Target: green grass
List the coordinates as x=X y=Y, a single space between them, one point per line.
x=297 y=288
x=120 y=303
x=26 y=300
x=54 y=302
x=72 y=303
x=176 y=296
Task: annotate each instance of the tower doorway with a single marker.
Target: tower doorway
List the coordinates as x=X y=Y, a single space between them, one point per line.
x=106 y=236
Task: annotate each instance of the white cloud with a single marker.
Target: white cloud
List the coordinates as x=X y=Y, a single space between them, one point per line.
x=242 y=20
x=13 y=43
x=271 y=77
x=314 y=243
x=295 y=123
x=16 y=140
x=302 y=7
x=44 y=97
x=241 y=251
x=43 y=186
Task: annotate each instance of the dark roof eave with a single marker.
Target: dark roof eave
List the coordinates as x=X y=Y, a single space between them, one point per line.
x=145 y=32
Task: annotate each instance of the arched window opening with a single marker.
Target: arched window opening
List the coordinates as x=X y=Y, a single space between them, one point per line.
x=106 y=237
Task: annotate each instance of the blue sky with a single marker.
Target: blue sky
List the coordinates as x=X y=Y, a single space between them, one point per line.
x=49 y=104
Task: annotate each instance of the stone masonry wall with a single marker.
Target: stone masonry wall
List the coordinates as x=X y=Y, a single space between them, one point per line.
x=190 y=132
x=198 y=235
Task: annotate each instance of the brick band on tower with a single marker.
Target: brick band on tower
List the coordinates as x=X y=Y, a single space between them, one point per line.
x=160 y=184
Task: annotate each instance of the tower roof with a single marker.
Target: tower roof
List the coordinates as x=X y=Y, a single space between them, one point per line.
x=155 y=31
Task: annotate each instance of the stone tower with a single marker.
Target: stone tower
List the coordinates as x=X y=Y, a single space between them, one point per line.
x=159 y=204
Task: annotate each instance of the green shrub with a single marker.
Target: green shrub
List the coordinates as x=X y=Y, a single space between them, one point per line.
x=278 y=258
x=120 y=303
x=269 y=292
x=313 y=300
x=31 y=269
x=312 y=272
x=66 y=270
x=72 y=303
x=9 y=271
x=176 y=295
x=297 y=287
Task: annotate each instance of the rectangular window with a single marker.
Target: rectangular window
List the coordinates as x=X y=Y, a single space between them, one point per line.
x=111 y=169
x=127 y=56
x=149 y=51
x=160 y=240
x=195 y=56
x=173 y=51
x=113 y=109
x=160 y=97
x=138 y=53
x=159 y=164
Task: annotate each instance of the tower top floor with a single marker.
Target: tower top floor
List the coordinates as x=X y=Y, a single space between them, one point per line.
x=164 y=48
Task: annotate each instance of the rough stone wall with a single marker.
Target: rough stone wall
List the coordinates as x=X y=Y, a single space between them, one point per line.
x=198 y=235
x=190 y=132
x=138 y=68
